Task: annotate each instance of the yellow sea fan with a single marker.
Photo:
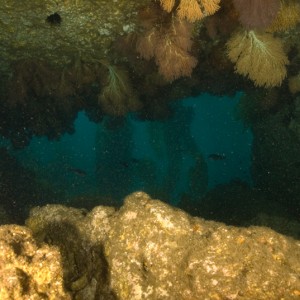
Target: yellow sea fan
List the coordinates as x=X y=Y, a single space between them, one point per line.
x=287 y=17
x=167 y=5
x=258 y=56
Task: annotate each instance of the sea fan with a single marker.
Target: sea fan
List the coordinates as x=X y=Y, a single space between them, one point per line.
x=256 y=14
x=167 y=5
x=192 y=10
x=117 y=96
x=170 y=48
x=259 y=56
x=287 y=17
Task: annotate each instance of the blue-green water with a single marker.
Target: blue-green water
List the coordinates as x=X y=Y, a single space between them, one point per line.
x=200 y=146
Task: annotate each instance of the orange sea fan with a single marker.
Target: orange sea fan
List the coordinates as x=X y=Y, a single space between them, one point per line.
x=258 y=56
x=210 y=6
x=169 y=46
x=173 y=61
x=146 y=44
x=192 y=10
x=167 y=5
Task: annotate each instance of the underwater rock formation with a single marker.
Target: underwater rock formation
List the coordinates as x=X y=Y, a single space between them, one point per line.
x=28 y=270
x=149 y=250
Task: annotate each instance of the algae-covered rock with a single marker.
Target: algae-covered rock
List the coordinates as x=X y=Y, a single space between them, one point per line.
x=79 y=235
x=150 y=250
x=28 y=271
x=29 y=29
x=158 y=252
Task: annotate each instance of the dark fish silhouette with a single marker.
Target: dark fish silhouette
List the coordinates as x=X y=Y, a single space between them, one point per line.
x=77 y=171
x=217 y=156
x=122 y=163
x=126 y=164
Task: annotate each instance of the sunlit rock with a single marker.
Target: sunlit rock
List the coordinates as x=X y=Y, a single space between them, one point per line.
x=150 y=250
x=28 y=270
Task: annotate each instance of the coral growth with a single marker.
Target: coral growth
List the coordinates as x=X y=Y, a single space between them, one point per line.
x=259 y=56
x=223 y=22
x=287 y=17
x=117 y=96
x=31 y=78
x=29 y=271
x=257 y=14
x=167 y=5
x=170 y=48
x=192 y=10
x=40 y=100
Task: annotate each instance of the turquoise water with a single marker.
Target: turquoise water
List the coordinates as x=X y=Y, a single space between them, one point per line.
x=154 y=156
x=202 y=159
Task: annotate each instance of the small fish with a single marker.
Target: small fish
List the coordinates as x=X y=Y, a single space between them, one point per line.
x=77 y=171
x=126 y=164
x=217 y=156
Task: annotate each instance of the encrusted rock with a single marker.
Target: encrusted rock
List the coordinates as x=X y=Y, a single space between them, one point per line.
x=28 y=271
x=86 y=27
x=79 y=236
x=150 y=250
x=158 y=252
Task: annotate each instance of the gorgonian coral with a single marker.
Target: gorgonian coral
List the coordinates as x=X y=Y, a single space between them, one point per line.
x=287 y=17
x=169 y=46
x=259 y=56
x=117 y=96
x=192 y=10
x=256 y=14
